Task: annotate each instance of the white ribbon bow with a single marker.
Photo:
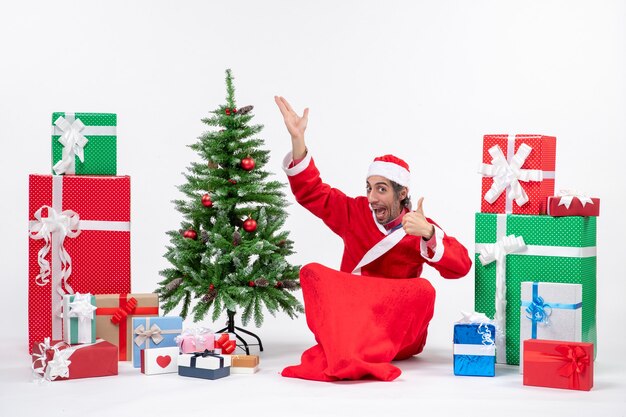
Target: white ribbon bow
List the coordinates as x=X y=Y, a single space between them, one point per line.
x=473 y=317
x=81 y=307
x=73 y=145
x=58 y=366
x=568 y=195
x=497 y=252
x=154 y=333
x=198 y=336
x=508 y=175
x=64 y=224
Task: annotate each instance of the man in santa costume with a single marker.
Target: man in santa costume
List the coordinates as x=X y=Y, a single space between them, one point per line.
x=361 y=320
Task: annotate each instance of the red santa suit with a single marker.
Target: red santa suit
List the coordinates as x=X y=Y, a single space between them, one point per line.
x=361 y=323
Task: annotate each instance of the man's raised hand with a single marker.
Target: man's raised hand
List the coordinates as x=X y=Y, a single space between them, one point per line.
x=415 y=223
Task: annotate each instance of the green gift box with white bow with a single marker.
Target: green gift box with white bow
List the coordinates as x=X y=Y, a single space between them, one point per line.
x=84 y=143
x=514 y=248
x=79 y=318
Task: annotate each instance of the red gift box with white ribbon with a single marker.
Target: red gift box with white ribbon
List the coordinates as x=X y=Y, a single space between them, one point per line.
x=56 y=360
x=518 y=173
x=79 y=242
x=572 y=203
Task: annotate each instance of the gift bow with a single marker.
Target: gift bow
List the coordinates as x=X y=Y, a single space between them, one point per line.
x=73 y=145
x=65 y=224
x=81 y=307
x=199 y=337
x=473 y=317
x=225 y=343
x=498 y=251
x=567 y=196
x=509 y=174
x=143 y=334
x=123 y=312
x=576 y=361
x=538 y=310
x=58 y=366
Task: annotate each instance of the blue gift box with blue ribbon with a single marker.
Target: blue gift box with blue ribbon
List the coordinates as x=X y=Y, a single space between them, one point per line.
x=550 y=311
x=474 y=349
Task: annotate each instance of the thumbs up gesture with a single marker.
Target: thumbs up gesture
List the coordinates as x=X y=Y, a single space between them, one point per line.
x=415 y=223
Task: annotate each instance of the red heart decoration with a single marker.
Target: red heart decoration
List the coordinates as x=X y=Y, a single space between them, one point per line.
x=163 y=361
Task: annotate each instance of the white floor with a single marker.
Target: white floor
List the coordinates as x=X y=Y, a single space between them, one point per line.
x=426 y=385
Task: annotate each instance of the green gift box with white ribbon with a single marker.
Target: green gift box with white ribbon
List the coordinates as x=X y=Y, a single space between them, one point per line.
x=79 y=318
x=84 y=143
x=513 y=248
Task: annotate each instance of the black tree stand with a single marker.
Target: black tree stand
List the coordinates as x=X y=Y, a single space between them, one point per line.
x=230 y=328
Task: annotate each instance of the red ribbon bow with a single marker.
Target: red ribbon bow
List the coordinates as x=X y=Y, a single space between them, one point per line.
x=576 y=361
x=223 y=342
x=123 y=312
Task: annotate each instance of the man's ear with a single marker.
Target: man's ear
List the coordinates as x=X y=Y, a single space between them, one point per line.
x=404 y=193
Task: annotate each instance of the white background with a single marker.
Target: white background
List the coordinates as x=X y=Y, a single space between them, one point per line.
x=423 y=80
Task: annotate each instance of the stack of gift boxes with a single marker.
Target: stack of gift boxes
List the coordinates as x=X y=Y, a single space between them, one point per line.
x=535 y=265
x=82 y=316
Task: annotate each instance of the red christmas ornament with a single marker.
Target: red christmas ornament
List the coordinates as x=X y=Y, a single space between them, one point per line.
x=227 y=111
x=251 y=284
x=190 y=234
x=249 y=225
x=206 y=201
x=232 y=181
x=211 y=287
x=279 y=284
x=234 y=109
x=247 y=163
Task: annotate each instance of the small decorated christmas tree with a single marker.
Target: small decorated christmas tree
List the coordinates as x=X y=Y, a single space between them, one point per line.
x=230 y=253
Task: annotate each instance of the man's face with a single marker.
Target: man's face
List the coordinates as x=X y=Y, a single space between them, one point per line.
x=383 y=201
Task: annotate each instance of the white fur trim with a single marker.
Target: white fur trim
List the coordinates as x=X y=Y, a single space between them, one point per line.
x=379 y=249
x=301 y=166
x=391 y=171
x=438 y=249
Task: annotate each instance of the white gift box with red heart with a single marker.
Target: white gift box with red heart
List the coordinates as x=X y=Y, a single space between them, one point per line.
x=159 y=360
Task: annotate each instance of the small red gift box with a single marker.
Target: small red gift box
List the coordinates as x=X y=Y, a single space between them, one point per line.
x=518 y=173
x=56 y=360
x=569 y=203
x=79 y=242
x=558 y=364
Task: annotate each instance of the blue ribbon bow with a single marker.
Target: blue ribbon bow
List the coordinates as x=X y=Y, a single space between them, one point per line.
x=538 y=311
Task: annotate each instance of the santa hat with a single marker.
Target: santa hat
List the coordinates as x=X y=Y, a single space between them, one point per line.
x=392 y=168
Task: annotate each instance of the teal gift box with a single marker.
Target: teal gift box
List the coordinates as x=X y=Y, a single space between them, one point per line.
x=79 y=318
x=513 y=248
x=84 y=143
x=153 y=332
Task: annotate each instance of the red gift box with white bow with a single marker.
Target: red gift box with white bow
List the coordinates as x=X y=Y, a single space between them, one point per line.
x=56 y=360
x=518 y=173
x=572 y=203
x=79 y=242
x=558 y=364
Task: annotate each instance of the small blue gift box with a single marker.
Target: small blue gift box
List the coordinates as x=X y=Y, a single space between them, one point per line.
x=205 y=365
x=151 y=332
x=474 y=349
